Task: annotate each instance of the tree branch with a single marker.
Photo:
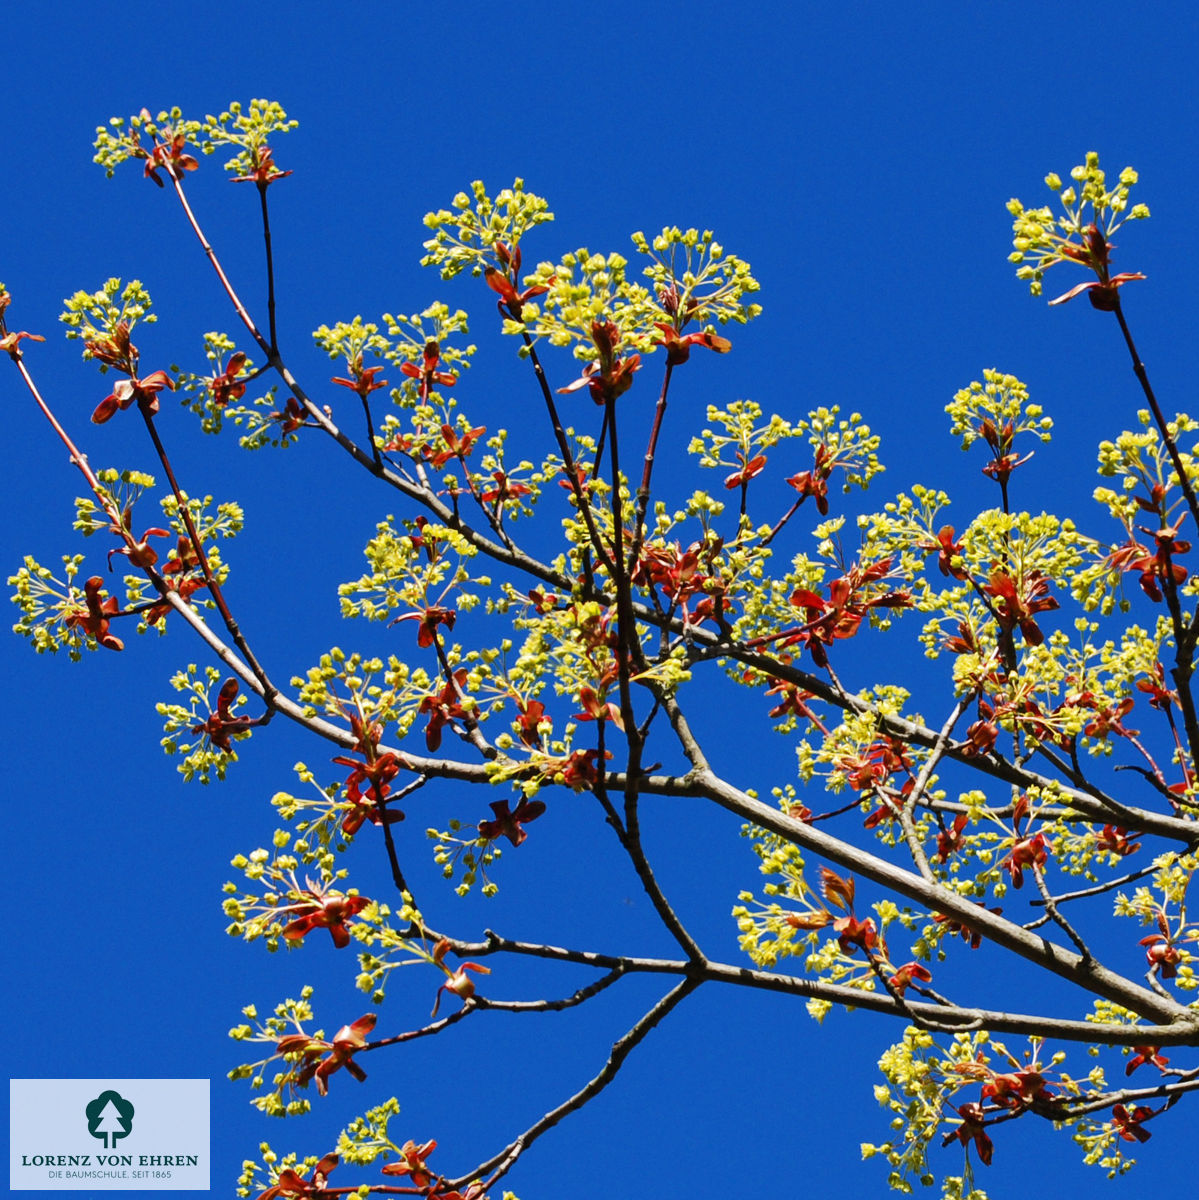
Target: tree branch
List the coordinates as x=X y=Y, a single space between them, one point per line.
x=500 y=1164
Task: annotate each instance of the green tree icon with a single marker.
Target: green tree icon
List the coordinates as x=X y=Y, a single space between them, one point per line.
x=109 y=1116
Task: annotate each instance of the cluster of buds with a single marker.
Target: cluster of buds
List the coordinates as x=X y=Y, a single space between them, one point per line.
x=322 y=908
x=851 y=598
x=685 y=574
x=116 y=350
x=376 y=771
x=318 y=1059
x=610 y=375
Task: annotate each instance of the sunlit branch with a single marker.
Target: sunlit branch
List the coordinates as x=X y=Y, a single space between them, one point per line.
x=241 y=310
x=268 y=688
x=252 y=675
x=626 y=622
x=1110 y=807
x=1082 y=796
x=1100 y=888
x=643 y=491
x=500 y=1164
x=568 y=462
x=434 y=1027
x=270 y=263
x=1052 y=957
x=1183 y=669
x=908 y=803
x=78 y=458
x=1035 y=1024
x=1158 y=416
x=575 y=998
x=393 y=859
x=1051 y=911
x=1173 y=1090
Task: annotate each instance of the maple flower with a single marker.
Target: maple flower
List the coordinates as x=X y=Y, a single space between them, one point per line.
x=94 y=620
x=678 y=347
x=609 y=377
x=595 y=709
x=1128 y=1124
x=1109 y=719
x=509 y=824
x=324 y=910
x=413 y=1164
x=291 y=1183
x=363 y=379
x=1115 y=839
x=142 y=391
x=263 y=172
x=580 y=769
x=504 y=490
x=115 y=349
x=1017 y=1090
x=444 y=707
x=907 y=973
x=429 y=619
x=1096 y=254
x=750 y=469
x=455 y=446
x=427 y=372
x=682 y=574
x=968 y=934
x=949 y=840
x=8 y=343
x=841 y=615
x=1015 y=604
x=291 y=417
x=457 y=981
x=221 y=725
x=542 y=602
x=1000 y=439
x=981 y=735
x=139 y=551
x=1027 y=852
x=1160 y=697
x=531 y=713
x=225 y=385
x=378 y=770
x=852 y=933
x=1146 y=1054
x=814 y=483
x=162 y=607
x=972 y=1130
x=504 y=283
x=1093 y=212
x=347 y=1041
x=1161 y=953
x=947 y=550
x=1160 y=567
x=966 y=641
x=169 y=155
x=793 y=702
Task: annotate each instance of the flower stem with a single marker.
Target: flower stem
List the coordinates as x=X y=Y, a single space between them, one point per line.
x=1158 y=416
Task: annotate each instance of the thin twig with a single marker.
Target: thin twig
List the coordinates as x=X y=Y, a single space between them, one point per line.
x=500 y=1164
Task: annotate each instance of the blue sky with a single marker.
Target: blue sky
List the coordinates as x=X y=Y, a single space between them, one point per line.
x=860 y=158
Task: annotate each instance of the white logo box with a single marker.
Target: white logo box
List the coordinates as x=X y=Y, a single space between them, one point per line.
x=108 y=1135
